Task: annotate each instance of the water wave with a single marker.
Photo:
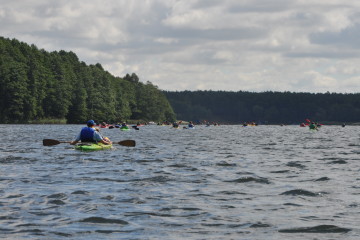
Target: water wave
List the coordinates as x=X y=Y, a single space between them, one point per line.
x=301 y=192
x=102 y=220
x=317 y=229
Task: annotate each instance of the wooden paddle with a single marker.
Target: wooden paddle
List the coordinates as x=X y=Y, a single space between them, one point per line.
x=127 y=143
x=52 y=142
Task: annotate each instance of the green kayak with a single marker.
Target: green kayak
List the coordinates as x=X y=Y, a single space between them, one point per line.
x=125 y=129
x=92 y=146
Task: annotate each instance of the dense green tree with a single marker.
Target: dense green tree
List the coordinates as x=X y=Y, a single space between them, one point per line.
x=152 y=104
x=265 y=107
x=124 y=98
x=36 y=84
x=78 y=111
x=15 y=93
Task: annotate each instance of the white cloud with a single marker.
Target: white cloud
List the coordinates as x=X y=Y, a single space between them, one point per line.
x=166 y=40
x=344 y=68
x=320 y=81
x=252 y=45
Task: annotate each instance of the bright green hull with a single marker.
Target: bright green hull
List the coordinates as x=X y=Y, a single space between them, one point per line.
x=125 y=129
x=92 y=146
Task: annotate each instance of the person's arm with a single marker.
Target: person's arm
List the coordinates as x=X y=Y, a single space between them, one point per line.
x=99 y=138
x=106 y=142
x=76 y=140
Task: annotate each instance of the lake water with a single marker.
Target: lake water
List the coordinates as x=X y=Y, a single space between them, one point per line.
x=225 y=182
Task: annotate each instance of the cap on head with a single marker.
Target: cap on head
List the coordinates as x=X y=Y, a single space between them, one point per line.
x=91 y=123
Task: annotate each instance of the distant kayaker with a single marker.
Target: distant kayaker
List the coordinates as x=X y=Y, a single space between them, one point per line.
x=313 y=126
x=175 y=125
x=90 y=134
x=191 y=125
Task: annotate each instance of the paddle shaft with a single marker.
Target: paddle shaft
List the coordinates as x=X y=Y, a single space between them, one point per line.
x=52 y=142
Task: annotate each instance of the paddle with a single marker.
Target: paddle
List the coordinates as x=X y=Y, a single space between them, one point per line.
x=127 y=143
x=52 y=142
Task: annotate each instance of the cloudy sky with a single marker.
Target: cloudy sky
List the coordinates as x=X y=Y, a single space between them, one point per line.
x=231 y=45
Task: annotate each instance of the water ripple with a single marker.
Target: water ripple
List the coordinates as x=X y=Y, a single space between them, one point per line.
x=301 y=192
x=317 y=229
x=102 y=220
x=250 y=179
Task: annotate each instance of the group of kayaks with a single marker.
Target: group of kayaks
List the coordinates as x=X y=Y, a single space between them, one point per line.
x=100 y=146
x=122 y=128
x=89 y=146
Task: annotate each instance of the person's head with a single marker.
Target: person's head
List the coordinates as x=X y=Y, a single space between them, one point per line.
x=90 y=123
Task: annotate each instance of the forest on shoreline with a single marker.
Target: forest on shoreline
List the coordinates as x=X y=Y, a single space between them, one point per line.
x=56 y=87
x=40 y=86
x=265 y=107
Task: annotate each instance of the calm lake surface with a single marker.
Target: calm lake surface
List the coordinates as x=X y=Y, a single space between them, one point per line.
x=225 y=182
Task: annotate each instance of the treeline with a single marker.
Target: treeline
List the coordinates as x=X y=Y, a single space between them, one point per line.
x=265 y=107
x=36 y=84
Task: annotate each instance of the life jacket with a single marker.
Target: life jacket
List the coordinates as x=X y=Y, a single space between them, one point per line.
x=87 y=134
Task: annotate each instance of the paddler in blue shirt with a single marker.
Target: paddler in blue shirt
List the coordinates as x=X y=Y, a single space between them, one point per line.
x=90 y=134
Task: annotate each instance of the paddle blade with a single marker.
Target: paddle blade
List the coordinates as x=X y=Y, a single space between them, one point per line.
x=50 y=142
x=127 y=143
